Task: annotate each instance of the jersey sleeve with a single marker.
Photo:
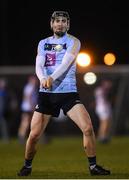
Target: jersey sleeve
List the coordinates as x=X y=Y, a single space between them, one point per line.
x=70 y=55
x=40 y=61
x=40 y=49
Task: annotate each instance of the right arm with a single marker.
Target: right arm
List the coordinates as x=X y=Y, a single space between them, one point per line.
x=39 y=67
x=40 y=61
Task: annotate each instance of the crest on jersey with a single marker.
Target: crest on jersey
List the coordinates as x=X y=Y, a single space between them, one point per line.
x=54 y=47
x=58 y=47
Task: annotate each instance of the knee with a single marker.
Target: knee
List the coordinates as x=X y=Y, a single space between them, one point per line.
x=88 y=130
x=34 y=137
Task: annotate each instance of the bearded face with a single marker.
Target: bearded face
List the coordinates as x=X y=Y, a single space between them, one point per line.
x=60 y=26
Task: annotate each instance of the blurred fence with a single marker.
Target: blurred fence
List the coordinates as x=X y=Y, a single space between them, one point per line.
x=119 y=74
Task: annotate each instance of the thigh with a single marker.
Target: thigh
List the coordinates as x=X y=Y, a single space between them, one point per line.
x=39 y=122
x=80 y=116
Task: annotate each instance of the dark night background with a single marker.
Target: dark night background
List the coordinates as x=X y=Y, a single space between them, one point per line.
x=102 y=26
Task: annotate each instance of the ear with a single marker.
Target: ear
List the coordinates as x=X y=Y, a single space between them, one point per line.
x=68 y=26
x=51 y=24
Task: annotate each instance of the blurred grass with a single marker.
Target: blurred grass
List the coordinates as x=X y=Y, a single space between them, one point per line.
x=64 y=158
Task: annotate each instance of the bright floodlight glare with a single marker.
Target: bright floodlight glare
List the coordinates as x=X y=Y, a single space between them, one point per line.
x=83 y=59
x=109 y=59
x=90 y=78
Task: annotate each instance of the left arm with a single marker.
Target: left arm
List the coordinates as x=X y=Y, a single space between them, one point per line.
x=68 y=58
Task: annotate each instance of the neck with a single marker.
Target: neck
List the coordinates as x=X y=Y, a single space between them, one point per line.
x=59 y=35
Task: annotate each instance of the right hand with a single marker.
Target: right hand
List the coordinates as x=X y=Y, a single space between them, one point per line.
x=43 y=83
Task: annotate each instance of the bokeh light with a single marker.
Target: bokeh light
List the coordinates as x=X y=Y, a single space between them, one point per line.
x=90 y=78
x=109 y=59
x=83 y=59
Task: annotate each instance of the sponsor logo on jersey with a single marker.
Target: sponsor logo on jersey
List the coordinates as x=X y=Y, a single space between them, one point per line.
x=50 y=59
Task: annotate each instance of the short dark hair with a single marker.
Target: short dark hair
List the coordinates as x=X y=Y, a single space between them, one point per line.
x=60 y=13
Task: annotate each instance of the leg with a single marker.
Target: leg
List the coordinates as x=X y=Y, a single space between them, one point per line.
x=4 y=130
x=38 y=125
x=24 y=126
x=104 y=130
x=81 y=117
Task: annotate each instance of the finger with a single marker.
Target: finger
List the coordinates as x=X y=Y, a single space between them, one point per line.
x=48 y=83
x=44 y=83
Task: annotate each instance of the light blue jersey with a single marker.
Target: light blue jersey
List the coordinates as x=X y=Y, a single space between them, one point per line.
x=54 y=49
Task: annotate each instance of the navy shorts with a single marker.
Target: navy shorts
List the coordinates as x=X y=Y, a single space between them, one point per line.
x=51 y=103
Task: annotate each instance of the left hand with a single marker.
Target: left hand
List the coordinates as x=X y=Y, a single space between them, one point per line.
x=49 y=82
